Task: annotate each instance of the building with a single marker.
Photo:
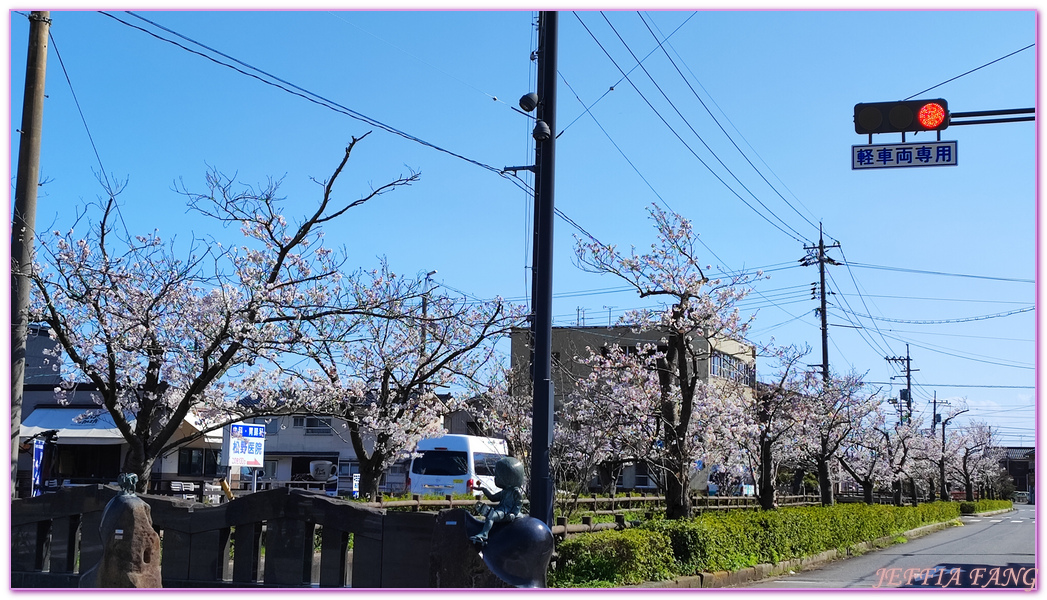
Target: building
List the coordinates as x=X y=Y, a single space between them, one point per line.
x=1020 y=464
x=719 y=358
x=83 y=445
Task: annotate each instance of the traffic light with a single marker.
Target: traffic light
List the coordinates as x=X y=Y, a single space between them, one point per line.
x=901 y=116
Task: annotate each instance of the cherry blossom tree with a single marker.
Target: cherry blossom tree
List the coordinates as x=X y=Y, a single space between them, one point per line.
x=162 y=335
x=870 y=451
x=835 y=407
x=974 y=458
x=697 y=310
x=773 y=416
x=610 y=417
x=381 y=373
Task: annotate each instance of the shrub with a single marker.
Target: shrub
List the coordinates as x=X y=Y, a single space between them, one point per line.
x=731 y=540
x=988 y=505
x=613 y=558
x=968 y=508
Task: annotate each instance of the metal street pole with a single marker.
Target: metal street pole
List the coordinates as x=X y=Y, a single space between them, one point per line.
x=23 y=225
x=542 y=411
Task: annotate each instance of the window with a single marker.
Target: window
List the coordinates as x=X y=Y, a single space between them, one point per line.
x=441 y=462
x=272 y=425
x=313 y=425
x=197 y=461
x=728 y=367
x=484 y=463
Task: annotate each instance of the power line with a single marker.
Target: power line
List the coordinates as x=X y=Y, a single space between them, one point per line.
x=588 y=109
x=327 y=103
x=971 y=71
x=297 y=90
x=946 y=321
x=906 y=270
x=718 y=124
x=974 y=357
x=963 y=385
x=696 y=134
x=675 y=133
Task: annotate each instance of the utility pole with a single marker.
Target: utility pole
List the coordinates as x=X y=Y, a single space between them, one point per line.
x=542 y=303
x=425 y=308
x=821 y=259
x=906 y=413
x=23 y=225
x=934 y=413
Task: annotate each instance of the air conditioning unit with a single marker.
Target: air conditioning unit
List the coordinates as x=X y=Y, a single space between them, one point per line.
x=321 y=470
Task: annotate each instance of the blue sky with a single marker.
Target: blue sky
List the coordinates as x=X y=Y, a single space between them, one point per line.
x=780 y=84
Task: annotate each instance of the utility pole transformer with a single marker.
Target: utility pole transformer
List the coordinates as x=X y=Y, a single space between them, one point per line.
x=821 y=259
x=23 y=225
x=542 y=302
x=907 y=411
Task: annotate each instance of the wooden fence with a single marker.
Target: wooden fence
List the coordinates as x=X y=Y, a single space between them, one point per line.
x=264 y=539
x=275 y=538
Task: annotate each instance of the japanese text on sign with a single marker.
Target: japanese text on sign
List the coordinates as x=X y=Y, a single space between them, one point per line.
x=930 y=154
x=246 y=446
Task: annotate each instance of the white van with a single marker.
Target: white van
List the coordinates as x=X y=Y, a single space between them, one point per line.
x=452 y=464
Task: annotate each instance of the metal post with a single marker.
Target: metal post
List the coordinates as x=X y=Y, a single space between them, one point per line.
x=23 y=226
x=542 y=411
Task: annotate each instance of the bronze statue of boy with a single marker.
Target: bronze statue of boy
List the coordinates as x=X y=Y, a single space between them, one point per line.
x=509 y=476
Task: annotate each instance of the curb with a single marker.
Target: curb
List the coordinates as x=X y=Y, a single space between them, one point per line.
x=727 y=579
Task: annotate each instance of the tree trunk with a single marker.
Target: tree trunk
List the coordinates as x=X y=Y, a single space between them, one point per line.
x=825 y=485
x=915 y=495
x=867 y=491
x=370 y=477
x=943 y=490
x=968 y=489
x=797 y=485
x=140 y=465
x=677 y=499
x=766 y=484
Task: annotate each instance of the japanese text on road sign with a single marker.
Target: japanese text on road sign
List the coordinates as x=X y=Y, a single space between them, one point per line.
x=929 y=154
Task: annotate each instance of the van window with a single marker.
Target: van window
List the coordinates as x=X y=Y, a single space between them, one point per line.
x=484 y=463
x=441 y=462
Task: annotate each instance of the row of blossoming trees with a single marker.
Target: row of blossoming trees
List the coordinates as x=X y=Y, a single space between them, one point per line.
x=653 y=404
x=275 y=323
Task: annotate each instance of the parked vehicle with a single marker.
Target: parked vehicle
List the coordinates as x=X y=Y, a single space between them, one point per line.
x=454 y=464
x=1021 y=496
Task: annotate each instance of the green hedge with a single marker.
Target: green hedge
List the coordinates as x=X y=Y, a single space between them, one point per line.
x=728 y=541
x=969 y=508
x=612 y=558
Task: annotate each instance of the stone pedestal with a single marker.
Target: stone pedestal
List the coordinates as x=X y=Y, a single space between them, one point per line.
x=130 y=547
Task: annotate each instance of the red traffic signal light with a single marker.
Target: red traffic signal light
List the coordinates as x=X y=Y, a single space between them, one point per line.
x=901 y=116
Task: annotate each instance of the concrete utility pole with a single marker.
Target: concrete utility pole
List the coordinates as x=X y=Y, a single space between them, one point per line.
x=821 y=259
x=906 y=412
x=23 y=225
x=545 y=144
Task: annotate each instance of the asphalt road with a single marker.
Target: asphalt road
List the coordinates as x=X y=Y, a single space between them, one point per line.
x=995 y=551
